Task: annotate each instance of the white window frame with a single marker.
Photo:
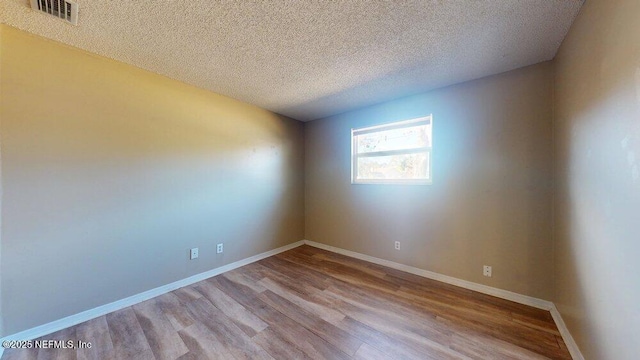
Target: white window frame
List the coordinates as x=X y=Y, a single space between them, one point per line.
x=390 y=126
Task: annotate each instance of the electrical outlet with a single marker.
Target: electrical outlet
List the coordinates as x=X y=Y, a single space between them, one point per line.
x=194 y=253
x=219 y=248
x=397 y=245
x=486 y=271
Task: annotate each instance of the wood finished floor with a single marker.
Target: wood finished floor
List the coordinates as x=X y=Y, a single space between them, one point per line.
x=309 y=303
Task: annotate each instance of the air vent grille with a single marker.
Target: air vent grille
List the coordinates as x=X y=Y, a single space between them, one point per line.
x=62 y=9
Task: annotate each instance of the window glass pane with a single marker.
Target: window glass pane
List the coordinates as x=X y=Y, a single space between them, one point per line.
x=394 y=167
x=395 y=139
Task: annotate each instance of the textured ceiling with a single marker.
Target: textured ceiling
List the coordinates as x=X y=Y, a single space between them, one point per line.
x=312 y=59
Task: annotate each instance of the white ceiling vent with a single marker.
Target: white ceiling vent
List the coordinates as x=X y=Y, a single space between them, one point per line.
x=62 y=9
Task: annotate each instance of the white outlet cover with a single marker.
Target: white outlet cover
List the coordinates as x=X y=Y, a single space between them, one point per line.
x=397 y=245
x=219 y=248
x=194 y=253
x=487 y=271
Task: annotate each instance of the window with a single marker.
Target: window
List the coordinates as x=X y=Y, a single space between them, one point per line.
x=395 y=153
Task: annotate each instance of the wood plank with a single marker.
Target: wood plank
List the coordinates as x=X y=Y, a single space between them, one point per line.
x=245 y=320
x=345 y=273
x=129 y=341
x=536 y=341
x=20 y=354
x=562 y=345
x=393 y=347
x=296 y=272
x=535 y=323
x=238 y=277
x=484 y=347
x=59 y=353
x=435 y=288
x=433 y=343
x=95 y=332
x=360 y=265
x=174 y=310
x=255 y=271
x=278 y=346
x=228 y=334
x=187 y=293
x=303 y=300
x=368 y=352
x=329 y=332
x=202 y=343
x=289 y=330
x=161 y=335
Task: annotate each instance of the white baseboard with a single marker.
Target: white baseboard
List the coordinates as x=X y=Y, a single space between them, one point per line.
x=566 y=335
x=500 y=293
x=503 y=294
x=132 y=300
x=72 y=320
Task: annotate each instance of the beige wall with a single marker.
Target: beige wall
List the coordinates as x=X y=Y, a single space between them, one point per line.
x=490 y=201
x=597 y=138
x=110 y=174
